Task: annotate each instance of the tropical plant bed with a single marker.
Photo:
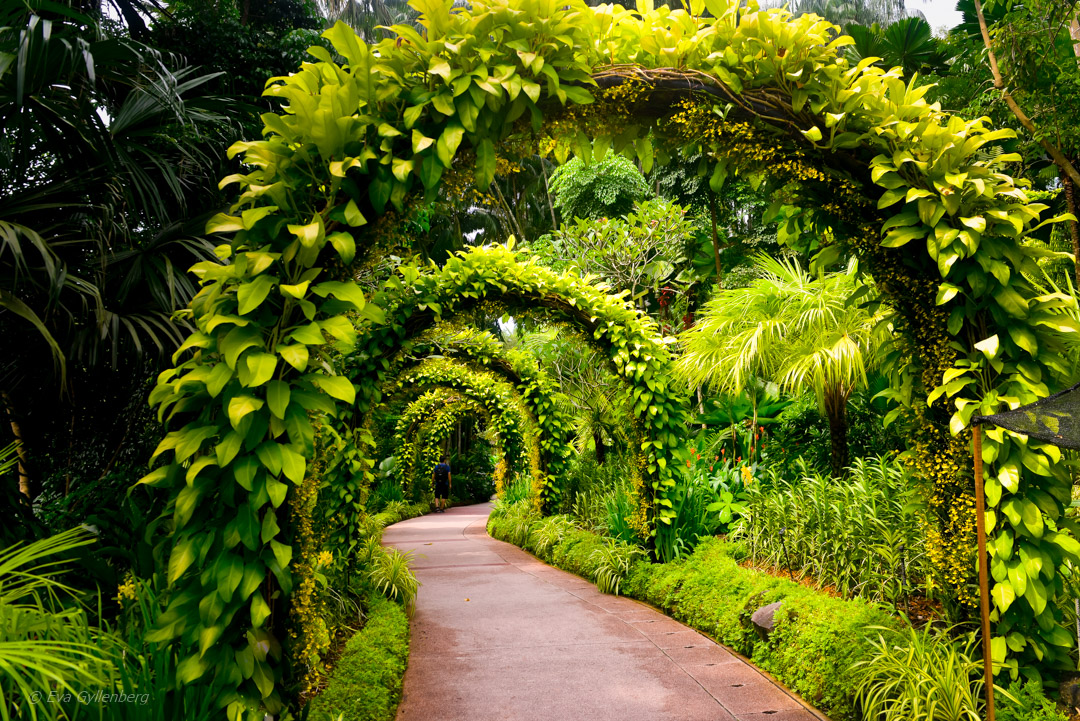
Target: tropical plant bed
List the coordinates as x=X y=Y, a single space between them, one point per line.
x=365 y=684
x=917 y=608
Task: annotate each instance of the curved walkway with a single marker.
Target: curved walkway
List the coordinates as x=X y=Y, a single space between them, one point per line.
x=499 y=636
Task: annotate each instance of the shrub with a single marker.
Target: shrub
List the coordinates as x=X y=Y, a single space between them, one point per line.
x=612 y=562
x=862 y=535
x=47 y=642
x=913 y=675
x=366 y=683
x=604 y=188
x=1027 y=702
x=547 y=533
x=802 y=432
x=389 y=571
x=385 y=492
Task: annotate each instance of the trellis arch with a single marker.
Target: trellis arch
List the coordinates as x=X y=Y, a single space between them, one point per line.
x=480 y=350
x=425 y=422
x=508 y=420
x=858 y=149
x=418 y=298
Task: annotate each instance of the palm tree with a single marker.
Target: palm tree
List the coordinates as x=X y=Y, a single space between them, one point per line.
x=908 y=43
x=845 y=12
x=109 y=155
x=367 y=16
x=793 y=328
x=590 y=393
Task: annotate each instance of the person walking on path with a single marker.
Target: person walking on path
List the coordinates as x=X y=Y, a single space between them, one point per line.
x=441 y=476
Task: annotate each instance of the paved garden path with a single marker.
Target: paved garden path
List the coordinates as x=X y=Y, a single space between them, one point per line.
x=500 y=636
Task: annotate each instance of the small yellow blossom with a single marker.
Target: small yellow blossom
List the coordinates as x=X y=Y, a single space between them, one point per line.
x=126 y=590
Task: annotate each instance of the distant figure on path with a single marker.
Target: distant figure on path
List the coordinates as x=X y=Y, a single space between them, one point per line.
x=441 y=476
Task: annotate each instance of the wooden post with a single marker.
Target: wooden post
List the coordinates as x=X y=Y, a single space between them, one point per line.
x=984 y=584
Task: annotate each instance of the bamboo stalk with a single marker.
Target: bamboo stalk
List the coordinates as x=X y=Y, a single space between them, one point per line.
x=984 y=584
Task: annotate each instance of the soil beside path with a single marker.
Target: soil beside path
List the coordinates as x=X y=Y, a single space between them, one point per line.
x=499 y=636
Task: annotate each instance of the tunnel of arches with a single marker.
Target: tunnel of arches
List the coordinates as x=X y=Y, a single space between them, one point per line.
x=481 y=352
x=864 y=164
x=433 y=390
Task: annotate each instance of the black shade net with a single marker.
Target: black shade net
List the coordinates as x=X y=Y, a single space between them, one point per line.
x=1054 y=419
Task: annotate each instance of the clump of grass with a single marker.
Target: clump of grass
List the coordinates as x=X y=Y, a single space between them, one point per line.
x=612 y=562
x=913 y=675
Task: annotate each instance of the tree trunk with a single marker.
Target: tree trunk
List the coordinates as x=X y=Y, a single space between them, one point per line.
x=514 y=227
x=836 y=413
x=700 y=405
x=601 y=450
x=547 y=194
x=1074 y=229
x=25 y=486
x=1074 y=33
x=715 y=240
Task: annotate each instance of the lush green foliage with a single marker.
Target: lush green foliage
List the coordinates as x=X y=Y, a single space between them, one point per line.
x=418 y=438
x=792 y=328
x=1027 y=701
x=800 y=431
x=922 y=676
x=352 y=142
x=486 y=358
x=47 y=642
x=608 y=187
x=863 y=535
x=366 y=682
x=416 y=299
x=636 y=252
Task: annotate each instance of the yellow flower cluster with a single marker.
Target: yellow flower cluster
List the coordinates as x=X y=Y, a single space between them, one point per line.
x=126 y=590
x=747 y=475
x=500 y=476
x=308 y=633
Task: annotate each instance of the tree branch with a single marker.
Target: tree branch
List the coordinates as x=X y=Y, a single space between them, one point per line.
x=1058 y=157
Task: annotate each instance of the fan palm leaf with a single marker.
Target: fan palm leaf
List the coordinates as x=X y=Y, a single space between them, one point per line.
x=791 y=327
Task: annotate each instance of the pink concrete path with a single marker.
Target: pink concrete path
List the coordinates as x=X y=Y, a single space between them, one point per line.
x=499 y=636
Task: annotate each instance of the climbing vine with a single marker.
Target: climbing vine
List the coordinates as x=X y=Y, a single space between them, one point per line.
x=978 y=333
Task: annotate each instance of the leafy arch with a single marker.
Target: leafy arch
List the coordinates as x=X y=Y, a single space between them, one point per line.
x=416 y=299
x=507 y=418
x=425 y=423
x=862 y=158
x=481 y=351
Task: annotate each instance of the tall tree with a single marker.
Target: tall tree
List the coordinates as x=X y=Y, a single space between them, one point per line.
x=1035 y=64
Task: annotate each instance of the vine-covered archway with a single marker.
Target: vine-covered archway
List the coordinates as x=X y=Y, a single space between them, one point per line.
x=757 y=93
x=420 y=431
x=508 y=419
x=416 y=299
x=480 y=351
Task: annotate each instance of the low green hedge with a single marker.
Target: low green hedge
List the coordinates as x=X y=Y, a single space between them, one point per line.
x=365 y=685
x=816 y=637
